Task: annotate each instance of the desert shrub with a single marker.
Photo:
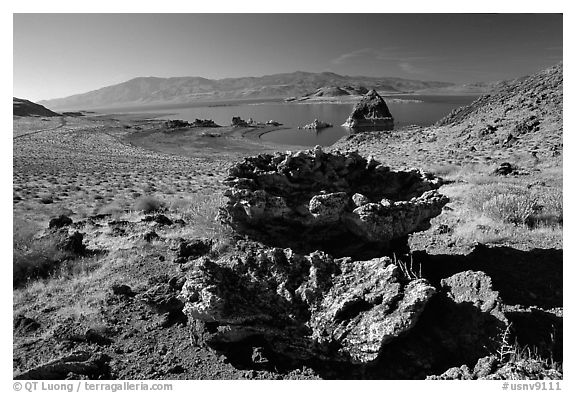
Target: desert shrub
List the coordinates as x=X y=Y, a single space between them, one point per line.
x=147 y=204
x=39 y=257
x=444 y=170
x=202 y=211
x=511 y=208
x=505 y=202
x=114 y=208
x=550 y=207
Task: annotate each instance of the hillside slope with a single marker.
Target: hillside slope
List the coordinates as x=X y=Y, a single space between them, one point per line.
x=152 y=90
x=525 y=114
x=23 y=107
x=519 y=122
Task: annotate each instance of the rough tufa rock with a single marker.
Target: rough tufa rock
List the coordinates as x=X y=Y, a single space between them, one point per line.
x=340 y=203
x=316 y=125
x=371 y=113
x=302 y=306
x=490 y=368
x=80 y=364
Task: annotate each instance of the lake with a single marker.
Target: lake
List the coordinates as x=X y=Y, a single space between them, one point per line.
x=292 y=115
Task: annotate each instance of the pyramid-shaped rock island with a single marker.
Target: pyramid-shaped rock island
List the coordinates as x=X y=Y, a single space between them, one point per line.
x=370 y=114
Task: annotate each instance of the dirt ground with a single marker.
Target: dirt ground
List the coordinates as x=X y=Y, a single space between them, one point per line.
x=96 y=169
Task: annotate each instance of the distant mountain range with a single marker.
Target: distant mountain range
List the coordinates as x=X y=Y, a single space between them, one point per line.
x=149 y=91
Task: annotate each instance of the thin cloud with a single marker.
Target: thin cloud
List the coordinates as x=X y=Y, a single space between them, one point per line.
x=364 y=52
x=380 y=54
x=410 y=68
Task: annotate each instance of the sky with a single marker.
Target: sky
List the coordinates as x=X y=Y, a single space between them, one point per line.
x=57 y=55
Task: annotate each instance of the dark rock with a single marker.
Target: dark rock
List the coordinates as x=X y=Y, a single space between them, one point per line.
x=72 y=243
x=176 y=124
x=24 y=325
x=506 y=169
x=194 y=248
x=95 y=337
x=238 y=122
x=60 y=222
x=119 y=223
x=371 y=113
x=122 y=289
x=150 y=236
x=160 y=219
x=305 y=201
x=204 y=123
x=177 y=369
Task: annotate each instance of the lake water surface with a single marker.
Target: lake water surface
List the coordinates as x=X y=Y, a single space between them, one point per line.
x=292 y=115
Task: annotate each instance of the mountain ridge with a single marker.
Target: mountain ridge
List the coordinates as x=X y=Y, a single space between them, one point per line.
x=177 y=90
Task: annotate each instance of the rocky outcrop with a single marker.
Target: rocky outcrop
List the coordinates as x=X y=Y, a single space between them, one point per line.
x=371 y=113
x=175 y=124
x=343 y=204
x=490 y=368
x=316 y=125
x=302 y=306
x=238 y=122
